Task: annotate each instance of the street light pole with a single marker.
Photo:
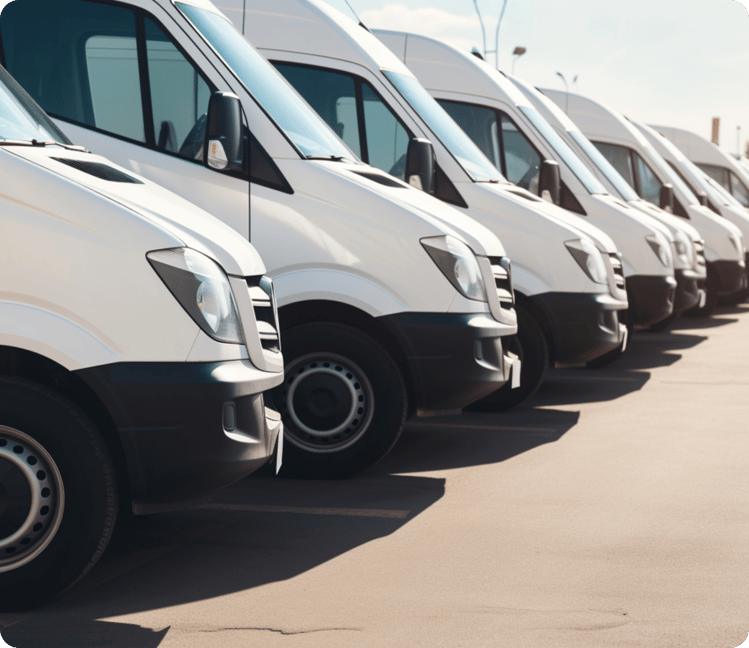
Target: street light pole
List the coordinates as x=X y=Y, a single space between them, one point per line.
x=566 y=92
x=495 y=51
x=517 y=53
x=481 y=22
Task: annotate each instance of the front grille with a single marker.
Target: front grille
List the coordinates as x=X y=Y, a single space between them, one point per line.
x=699 y=248
x=261 y=294
x=616 y=264
x=503 y=281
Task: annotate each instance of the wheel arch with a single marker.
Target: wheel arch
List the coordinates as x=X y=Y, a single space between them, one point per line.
x=317 y=311
x=541 y=318
x=21 y=363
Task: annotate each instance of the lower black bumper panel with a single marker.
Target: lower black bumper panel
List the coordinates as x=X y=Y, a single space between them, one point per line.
x=583 y=326
x=187 y=429
x=454 y=359
x=651 y=299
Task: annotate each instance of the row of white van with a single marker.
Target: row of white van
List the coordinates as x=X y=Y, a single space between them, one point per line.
x=140 y=345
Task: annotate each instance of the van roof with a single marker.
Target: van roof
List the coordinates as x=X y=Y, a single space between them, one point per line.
x=325 y=31
x=431 y=60
x=595 y=119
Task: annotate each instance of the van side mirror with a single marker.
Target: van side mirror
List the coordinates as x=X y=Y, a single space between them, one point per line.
x=550 y=182
x=666 y=201
x=223 y=142
x=703 y=198
x=421 y=167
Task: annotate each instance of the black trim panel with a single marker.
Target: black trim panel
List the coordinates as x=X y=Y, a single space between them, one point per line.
x=730 y=275
x=651 y=299
x=170 y=421
x=687 y=290
x=455 y=358
x=583 y=326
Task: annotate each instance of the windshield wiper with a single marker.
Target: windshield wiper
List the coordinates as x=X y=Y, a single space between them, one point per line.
x=332 y=158
x=33 y=142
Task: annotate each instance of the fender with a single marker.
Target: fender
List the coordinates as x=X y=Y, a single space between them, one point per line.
x=336 y=285
x=55 y=337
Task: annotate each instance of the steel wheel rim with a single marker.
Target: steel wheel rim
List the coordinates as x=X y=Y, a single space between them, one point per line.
x=26 y=463
x=336 y=380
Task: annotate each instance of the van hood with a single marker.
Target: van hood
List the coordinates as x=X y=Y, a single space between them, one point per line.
x=577 y=224
x=189 y=224
x=450 y=219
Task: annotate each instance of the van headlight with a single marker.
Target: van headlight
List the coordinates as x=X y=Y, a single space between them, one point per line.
x=458 y=263
x=589 y=258
x=660 y=246
x=684 y=252
x=202 y=288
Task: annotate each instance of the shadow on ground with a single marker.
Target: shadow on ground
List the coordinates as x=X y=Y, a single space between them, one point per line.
x=626 y=375
x=258 y=531
x=265 y=530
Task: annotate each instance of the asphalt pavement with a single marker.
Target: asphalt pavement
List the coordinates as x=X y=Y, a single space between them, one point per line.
x=610 y=511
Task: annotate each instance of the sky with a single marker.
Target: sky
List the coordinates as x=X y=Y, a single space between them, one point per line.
x=670 y=62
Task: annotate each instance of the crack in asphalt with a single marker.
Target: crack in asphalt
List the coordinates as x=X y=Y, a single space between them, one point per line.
x=285 y=632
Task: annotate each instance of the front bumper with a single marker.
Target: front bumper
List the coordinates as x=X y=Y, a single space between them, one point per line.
x=187 y=429
x=583 y=326
x=688 y=287
x=454 y=359
x=729 y=275
x=651 y=299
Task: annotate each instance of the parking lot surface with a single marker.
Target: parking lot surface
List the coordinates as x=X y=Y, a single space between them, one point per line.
x=610 y=511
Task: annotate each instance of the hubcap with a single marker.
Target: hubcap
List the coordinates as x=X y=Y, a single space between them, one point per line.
x=32 y=499
x=328 y=402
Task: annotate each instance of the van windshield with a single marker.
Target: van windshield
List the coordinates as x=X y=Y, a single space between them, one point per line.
x=604 y=166
x=300 y=123
x=462 y=148
x=562 y=149
x=21 y=118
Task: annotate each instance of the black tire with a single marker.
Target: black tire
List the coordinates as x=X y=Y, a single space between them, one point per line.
x=343 y=401
x=58 y=496
x=533 y=350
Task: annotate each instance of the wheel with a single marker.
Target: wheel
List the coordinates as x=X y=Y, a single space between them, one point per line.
x=531 y=347
x=58 y=499
x=343 y=401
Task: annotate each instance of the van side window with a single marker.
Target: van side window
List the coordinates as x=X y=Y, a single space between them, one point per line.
x=619 y=158
x=332 y=95
x=179 y=95
x=387 y=140
x=522 y=161
x=352 y=108
x=739 y=190
x=719 y=174
x=107 y=67
x=114 y=84
x=480 y=124
x=56 y=49
x=649 y=185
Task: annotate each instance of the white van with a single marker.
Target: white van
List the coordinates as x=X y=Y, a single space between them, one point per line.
x=137 y=336
x=517 y=139
x=716 y=197
x=710 y=193
x=729 y=172
x=688 y=246
x=390 y=302
x=636 y=160
x=567 y=276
